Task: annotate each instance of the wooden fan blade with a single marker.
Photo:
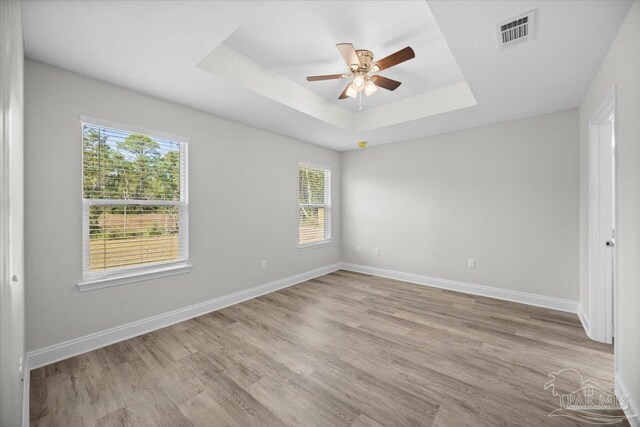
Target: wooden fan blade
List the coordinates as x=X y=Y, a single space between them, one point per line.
x=343 y=95
x=349 y=54
x=395 y=58
x=325 y=77
x=385 y=83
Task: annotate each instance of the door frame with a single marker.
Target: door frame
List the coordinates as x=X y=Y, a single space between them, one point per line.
x=602 y=297
x=11 y=215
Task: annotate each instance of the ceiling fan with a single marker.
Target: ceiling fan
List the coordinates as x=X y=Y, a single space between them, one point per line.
x=363 y=69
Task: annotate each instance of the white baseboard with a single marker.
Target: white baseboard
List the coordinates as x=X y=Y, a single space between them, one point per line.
x=469 y=288
x=584 y=319
x=64 y=350
x=633 y=416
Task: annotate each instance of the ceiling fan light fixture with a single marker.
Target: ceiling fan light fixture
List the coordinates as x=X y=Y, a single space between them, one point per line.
x=370 y=88
x=360 y=63
x=352 y=92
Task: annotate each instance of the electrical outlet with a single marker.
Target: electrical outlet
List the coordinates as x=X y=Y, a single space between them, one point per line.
x=264 y=263
x=471 y=263
x=358 y=249
x=377 y=251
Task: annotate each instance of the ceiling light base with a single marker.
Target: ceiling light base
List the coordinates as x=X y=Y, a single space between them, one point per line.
x=366 y=58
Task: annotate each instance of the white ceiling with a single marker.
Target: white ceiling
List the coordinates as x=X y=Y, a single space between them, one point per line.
x=156 y=47
x=304 y=46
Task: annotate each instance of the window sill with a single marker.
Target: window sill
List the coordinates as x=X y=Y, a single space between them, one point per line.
x=314 y=245
x=138 y=276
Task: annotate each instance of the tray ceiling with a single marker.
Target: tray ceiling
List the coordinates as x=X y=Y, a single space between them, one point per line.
x=174 y=50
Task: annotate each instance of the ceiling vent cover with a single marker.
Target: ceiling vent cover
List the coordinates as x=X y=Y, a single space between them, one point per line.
x=516 y=30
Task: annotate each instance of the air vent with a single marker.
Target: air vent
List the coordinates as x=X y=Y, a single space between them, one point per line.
x=516 y=30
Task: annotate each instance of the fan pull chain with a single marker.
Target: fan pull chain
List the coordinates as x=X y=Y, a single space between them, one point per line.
x=360 y=100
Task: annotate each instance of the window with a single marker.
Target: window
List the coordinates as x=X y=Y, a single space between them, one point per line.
x=314 y=204
x=135 y=203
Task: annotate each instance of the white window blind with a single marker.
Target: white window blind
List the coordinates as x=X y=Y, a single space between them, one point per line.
x=314 y=204
x=135 y=202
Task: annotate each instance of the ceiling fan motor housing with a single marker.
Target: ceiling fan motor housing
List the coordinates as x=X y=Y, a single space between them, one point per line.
x=366 y=58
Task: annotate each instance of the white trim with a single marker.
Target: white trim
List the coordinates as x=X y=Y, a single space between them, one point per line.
x=183 y=209
x=584 y=319
x=26 y=391
x=131 y=202
x=600 y=290
x=606 y=107
x=314 y=244
x=87 y=120
x=631 y=412
x=469 y=288
x=134 y=276
x=12 y=173
x=313 y=165
x=64 y=350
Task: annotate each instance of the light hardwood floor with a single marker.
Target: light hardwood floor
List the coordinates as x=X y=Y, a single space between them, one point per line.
x=344 y=349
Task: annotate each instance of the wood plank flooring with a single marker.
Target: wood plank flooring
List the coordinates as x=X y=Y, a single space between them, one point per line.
x=345 y=349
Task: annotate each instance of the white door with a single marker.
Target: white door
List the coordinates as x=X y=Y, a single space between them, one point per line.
x=607 y=218
x=602 y=214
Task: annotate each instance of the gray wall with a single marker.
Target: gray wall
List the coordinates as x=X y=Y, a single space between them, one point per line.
x=620 y=67
x=505 y=195
x=235 y=170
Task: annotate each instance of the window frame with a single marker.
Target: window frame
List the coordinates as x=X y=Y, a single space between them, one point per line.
x=327 y=204
x=135 y=273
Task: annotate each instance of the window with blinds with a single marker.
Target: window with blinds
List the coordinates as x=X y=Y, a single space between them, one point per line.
x=314 y=204
x=135 y=202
